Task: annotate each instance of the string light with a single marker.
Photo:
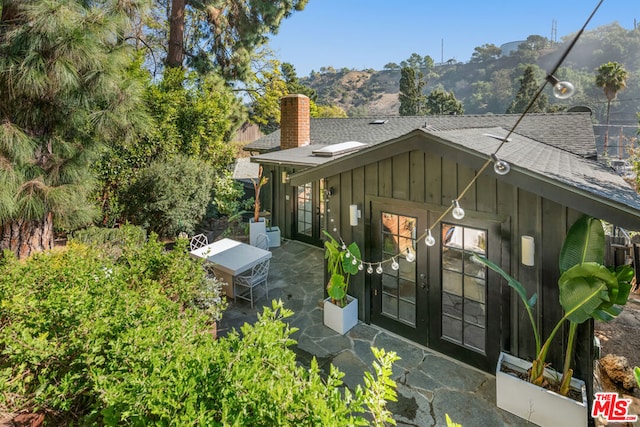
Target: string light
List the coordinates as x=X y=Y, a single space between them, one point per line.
x=429 y=240
x=410 y=257
x=500 y=166
x=458 y=212
x=561 y=90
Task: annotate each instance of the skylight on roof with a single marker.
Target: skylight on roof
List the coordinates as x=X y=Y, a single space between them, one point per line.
x=378 y=122
x=340 y=148
x=498 y=137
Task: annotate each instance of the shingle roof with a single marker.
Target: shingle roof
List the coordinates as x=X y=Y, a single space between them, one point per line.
x=549 y=152
x=548 y=162
x=568 y=131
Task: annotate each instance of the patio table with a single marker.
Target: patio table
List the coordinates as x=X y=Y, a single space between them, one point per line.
x=230 y=258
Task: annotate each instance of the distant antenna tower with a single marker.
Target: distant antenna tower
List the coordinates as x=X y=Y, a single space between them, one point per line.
x=554 y=31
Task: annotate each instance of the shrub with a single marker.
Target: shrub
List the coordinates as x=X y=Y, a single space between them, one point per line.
x=170 y=196
x=91 y=340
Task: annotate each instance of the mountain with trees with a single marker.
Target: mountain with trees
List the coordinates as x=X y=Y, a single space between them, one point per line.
x=491 y=82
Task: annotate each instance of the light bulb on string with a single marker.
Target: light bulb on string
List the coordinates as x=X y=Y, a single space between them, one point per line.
x=429 y=240
x=347 y=255
x=561 y=90
x=410 y=257
x=370 y=269
x=395 y=265
x=457 y=212
x=379 y=268
x=354 y=261
x=361 y=266
x=500 y=166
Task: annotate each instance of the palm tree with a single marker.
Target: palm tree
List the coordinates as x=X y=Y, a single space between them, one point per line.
x=612 y=77
x=65 y=94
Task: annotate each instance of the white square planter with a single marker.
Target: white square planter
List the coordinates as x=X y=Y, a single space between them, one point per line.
x=536 y=404
x=255 y=229
x=274 y=236
x=341 y=319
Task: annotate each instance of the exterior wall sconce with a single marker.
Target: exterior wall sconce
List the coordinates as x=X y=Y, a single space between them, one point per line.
x=354 y=215
x=284 y=177
x=528 y=250
x=328 y=192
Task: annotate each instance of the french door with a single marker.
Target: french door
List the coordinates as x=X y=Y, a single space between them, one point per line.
x=441 y=299
x=309 y=211
x=399 y=296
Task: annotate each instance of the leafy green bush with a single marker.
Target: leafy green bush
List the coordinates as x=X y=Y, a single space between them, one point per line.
x=170 y=196
x=110 y=240
x=92 y=340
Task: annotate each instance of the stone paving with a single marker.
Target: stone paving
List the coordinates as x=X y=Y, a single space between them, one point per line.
x=430 y=384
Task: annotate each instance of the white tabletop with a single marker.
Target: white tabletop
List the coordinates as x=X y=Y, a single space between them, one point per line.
x=231 y=256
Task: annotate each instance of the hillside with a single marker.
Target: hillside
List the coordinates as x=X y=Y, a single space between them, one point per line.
x=489 y=86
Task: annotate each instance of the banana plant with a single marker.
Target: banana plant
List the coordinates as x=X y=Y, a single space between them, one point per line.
x=342 y=262
x=587 y=289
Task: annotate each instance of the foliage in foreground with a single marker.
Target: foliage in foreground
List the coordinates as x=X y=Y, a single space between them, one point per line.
x=89 y=339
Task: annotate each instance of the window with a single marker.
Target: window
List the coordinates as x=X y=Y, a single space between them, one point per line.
x=305 y=209
x=399 y=286
x=464 y=286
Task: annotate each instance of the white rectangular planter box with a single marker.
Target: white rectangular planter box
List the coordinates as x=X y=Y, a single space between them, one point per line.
x=536 y=404
x=255 y=229
x=341 y=319
x=273 y=233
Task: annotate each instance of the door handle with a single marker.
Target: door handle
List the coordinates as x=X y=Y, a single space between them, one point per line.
x=423 y=283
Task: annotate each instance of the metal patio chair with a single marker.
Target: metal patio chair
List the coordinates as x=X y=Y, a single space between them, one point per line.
x=244 y=284
x=262 y=241
x=198 y=241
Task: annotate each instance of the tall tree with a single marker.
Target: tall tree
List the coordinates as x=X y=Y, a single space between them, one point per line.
x=224 y=33
x=485 y=53
x=528 y=89
x=65 y=92
x=293 y=83
x=612 y=77
x=411 y=97
x=440 y=102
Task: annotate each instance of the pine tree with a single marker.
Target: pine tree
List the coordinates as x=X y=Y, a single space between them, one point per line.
x=528 y=89
x=224 y=33
x=65 y=93
x=412 y=100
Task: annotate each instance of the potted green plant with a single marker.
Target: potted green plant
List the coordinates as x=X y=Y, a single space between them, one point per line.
x=257 y=225
x=587 y=290
x=340 y=308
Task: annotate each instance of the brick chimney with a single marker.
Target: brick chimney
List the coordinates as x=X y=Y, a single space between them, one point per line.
x=294 y=121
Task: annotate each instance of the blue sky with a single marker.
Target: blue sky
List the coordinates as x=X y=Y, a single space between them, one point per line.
x=365 y=34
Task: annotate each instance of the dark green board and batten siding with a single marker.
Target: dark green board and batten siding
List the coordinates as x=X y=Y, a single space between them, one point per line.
x=428 y=178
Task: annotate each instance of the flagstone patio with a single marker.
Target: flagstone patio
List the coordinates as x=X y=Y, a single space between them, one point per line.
x=430 y=384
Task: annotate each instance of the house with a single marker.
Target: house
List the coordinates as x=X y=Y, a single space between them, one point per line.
x=403 y=173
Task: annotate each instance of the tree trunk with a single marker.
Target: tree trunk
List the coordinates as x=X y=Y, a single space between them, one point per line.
x=606 y=132
x=26 y=237
x=176 y=34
